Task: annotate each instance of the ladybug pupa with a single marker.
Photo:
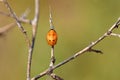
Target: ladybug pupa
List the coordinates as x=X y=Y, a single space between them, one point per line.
x=52 y=37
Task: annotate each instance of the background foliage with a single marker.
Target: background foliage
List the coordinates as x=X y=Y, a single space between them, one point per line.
x=77 y=22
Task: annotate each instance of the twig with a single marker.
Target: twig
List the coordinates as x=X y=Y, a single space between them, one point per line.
x=52 y=46
x=6 y=28
x=55 y=77
x=86 y=49
x=50 y=19
x=114 y=34
x=96 y=51
x=34 y=31
x=40 y=75
x=23 y=17
x=5 y=14
x=52 y=57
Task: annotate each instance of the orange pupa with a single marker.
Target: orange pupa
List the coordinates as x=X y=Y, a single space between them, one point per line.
x=52 y=37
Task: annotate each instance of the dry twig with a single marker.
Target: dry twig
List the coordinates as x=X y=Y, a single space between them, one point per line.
x=6 y=28
x=5 y=14
x=52 y=47
x=34 y=31
x=114 y=34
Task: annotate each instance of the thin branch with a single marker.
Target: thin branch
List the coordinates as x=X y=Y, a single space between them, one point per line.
x=23 y=17
x=6 y=28
x=52 y=62
x=86 y=49
x=50 y=19
x=52 y=57
x=40 y=75
x=52 y=46
x=114 y=34
x=55 y=77
x=34 y=31
x=5 y=14
x=96 y=51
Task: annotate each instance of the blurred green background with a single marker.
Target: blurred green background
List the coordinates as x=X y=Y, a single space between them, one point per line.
x=78 y=23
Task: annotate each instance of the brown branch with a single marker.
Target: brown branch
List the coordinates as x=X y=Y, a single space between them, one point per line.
x=23 y=17
x=34 y=31
x=6 y=28
x=114 y=34
x=55 y=77
x=52 y=47
x=52 y=61
x=5 y=14
x=86 y=49
x=96 y=51
x=40 y=75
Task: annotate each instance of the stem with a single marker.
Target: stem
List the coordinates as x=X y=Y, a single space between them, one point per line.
x=52 y=57
x=34 y=31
